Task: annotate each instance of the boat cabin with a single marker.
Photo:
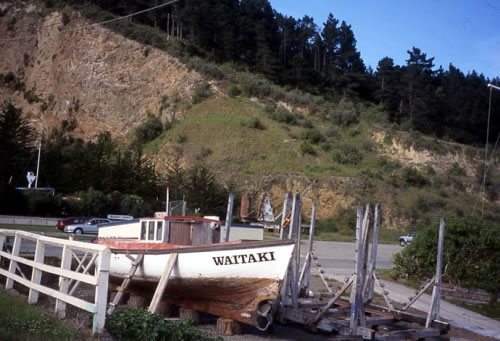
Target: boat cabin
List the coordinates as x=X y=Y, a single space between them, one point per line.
x=172 y=230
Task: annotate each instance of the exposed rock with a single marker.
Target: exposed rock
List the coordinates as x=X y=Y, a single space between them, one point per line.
x=101 y=79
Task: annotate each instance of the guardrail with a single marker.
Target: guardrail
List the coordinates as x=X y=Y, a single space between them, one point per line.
x=21 y=220
x=70 y=273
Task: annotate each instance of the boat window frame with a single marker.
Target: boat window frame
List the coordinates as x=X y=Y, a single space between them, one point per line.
x=143 y=234
x=151 y=230
x=159 y=231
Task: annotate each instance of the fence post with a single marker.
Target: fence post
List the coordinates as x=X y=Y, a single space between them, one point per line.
x=13 y=264
x=2 y=241
x=287 y=203
x=226 y=229
x=101 y=290
x=436 y=291
x=63 y=282
x=36 y=274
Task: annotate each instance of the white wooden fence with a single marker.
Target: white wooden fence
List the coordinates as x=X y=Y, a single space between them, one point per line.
x=85 y=254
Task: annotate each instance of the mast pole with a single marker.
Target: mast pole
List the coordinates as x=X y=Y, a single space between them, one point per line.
x=38 y=162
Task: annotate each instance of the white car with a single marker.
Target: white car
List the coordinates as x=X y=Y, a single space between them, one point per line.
x=91 y=226
x=406 y=240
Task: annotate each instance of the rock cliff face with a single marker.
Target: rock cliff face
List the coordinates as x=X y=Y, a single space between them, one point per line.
x=90 y=75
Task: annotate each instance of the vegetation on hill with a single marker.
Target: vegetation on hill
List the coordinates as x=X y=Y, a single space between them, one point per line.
x=252 y=119
x=321 y=59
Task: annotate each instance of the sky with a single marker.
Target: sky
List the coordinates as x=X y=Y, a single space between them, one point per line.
x=465 y=33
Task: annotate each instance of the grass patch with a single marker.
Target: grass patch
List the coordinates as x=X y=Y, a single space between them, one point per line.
x=21 y=321
x=30 y=228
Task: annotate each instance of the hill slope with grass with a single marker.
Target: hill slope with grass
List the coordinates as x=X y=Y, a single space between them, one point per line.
x=264 y=138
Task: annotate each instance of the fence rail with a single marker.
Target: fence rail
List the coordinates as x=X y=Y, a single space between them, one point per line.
x=21 y=220
x=70 y=273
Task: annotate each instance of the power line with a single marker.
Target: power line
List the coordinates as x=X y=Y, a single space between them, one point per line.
x=95 y=24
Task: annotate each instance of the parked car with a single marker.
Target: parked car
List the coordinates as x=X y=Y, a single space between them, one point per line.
x=62 y=223
x=91 y=226
x=406 y=240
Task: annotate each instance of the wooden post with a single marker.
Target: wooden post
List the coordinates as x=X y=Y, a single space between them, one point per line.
x=228 y=327
x=305 y=275
x=36 y=275
x=293 y=234
x=193 y=315
x=436 y=291
x=369 y=285
x=63 y=282
x=2 y=242
x=355 y=308
x=101 y=290
x=225 y=231
x=287 y=204
x=184 y=208
x=162 y=285
x=297 y=247
x=16 y=247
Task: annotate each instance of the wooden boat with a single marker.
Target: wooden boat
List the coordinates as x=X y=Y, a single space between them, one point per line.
x=236 y=280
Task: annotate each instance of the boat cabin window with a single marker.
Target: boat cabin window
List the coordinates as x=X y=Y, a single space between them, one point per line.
x=151 y=230
x=159 y=231
x=143 y=230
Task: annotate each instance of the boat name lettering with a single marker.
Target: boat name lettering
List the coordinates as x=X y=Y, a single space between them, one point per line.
x=243 y=259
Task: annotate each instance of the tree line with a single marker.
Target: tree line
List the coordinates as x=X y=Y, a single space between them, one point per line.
x=97 y=177
x=323 y=59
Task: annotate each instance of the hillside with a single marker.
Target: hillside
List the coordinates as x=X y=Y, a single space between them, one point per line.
x=102 y=81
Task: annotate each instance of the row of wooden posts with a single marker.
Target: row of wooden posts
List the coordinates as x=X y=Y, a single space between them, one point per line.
x=364 y=279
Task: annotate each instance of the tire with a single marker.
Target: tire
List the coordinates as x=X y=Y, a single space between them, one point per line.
x=78 y=231
x=402 y=243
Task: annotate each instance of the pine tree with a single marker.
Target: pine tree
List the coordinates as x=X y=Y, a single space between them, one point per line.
x=17 y=138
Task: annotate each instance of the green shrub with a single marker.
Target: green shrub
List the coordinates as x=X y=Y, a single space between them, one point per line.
x=471 y=255
x=141 y=325
x=31 y=97
x=307 y=148
x=347 y=155
x=253 y=123
x=42 y=203
x=201 y=92
x=135 y=206
x=329 y=224
x=207 y=68
x=234 y=91
x=326 y=147
x=412 y=177
x=204 y=152
x=456 y=170
x=149 y=130
x=307 y=124
x=182 y=138
x=332 y=132
x=283 y=115
x=65 y=18
x=344 y=114
x=314 y=136
x=91 y=203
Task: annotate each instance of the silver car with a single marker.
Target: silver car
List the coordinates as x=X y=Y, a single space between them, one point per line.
x=91 y=226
